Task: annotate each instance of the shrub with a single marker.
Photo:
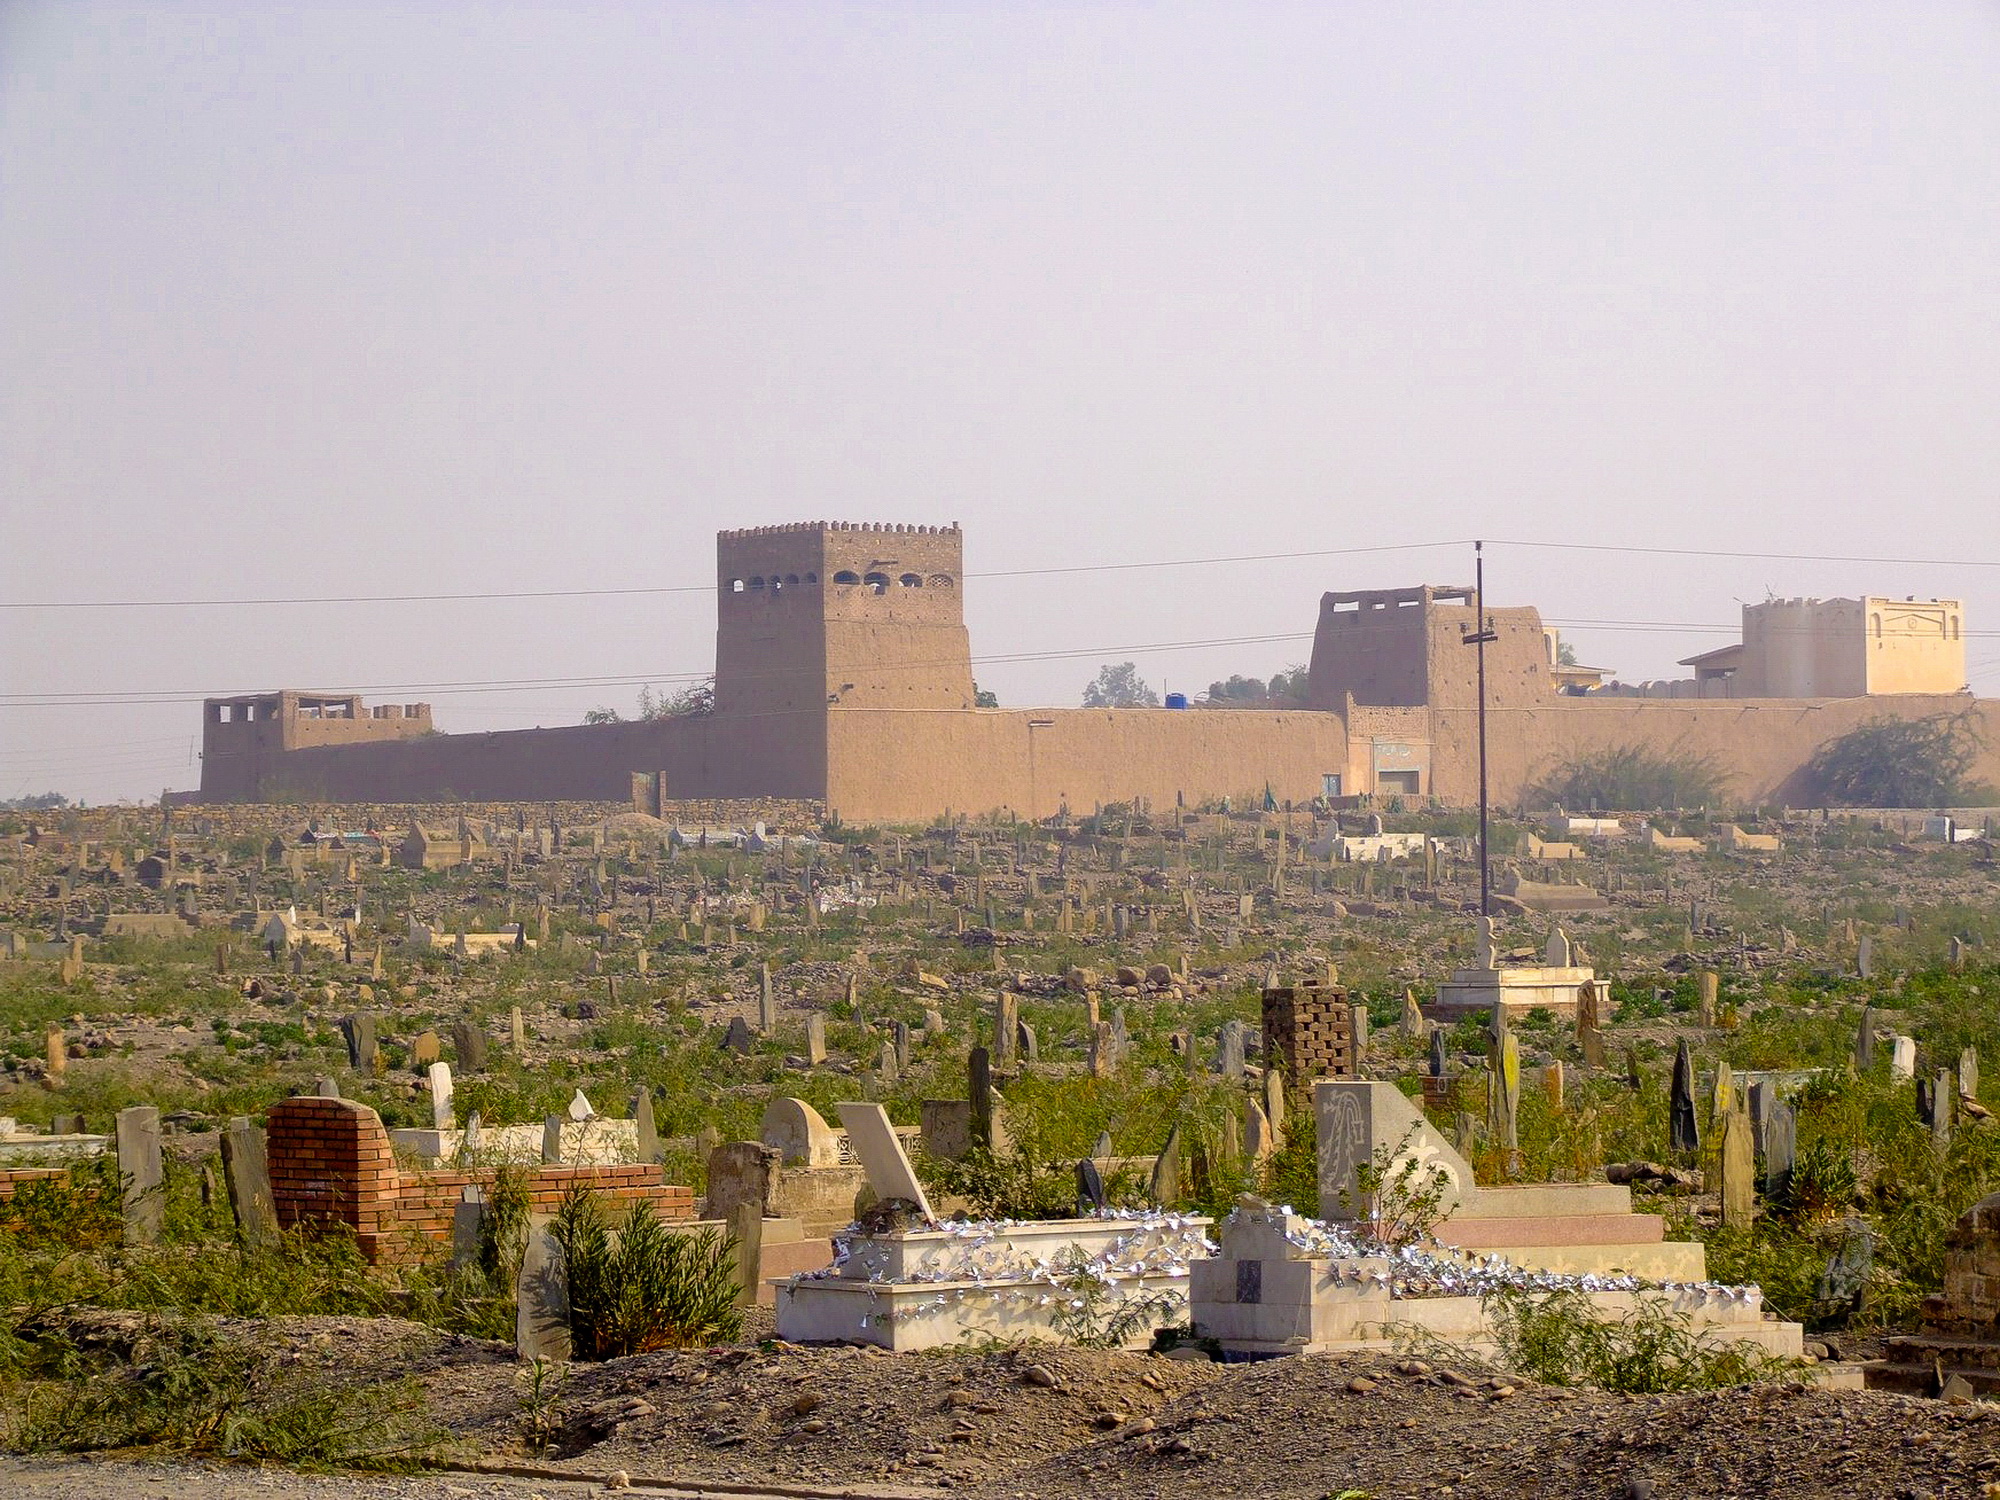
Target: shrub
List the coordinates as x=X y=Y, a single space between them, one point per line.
x=1559 y=1338
x=646 y=1287
x=1630 y=777
x=1891 y=762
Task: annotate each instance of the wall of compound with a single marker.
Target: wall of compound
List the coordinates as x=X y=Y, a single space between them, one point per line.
x=893 y=767
x=712 y=755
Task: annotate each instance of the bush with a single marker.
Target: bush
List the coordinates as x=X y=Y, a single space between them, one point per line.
x=1891 y=762
x=1559 y=1338
x=648 y=1287
x=184 y=1388
x=1631 y=777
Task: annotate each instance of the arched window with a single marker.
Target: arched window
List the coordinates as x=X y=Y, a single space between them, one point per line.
x=777 y=584
x=879 y=582
x=911 y=580
x=1954 y=627
x=735 y=585
x=1875 y=621
x=791 y=580
x=756 y=583
x=940 y=580
x=812 y=578
x=845 y=576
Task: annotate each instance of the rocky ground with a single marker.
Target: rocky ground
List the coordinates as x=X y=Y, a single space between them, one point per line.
x=1028 y=1423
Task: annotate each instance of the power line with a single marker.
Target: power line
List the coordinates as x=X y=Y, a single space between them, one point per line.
x=501 y=595
x=680 y=588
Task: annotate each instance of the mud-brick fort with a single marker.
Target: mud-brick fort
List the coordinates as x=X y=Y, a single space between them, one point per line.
x=843 y=673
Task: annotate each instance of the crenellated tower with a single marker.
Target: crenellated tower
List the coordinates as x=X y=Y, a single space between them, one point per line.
x=820 y=616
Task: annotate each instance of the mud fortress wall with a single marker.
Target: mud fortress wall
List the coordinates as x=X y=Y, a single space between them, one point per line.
x=844 y=675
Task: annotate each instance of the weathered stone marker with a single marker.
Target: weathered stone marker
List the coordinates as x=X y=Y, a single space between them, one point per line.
x=645 y=1128
x=141 y=1178
x=55 y=1050
x=362 y=1051
x=1683 y=1132
x=551 y=1140
x=767 y=1001
x=541 y=1299
x=1781 y=1147
x=815 y=1039
x=442 y=1115
x=746 y=1227
x=1739 y=1171
x=247 y=1174
x=469 y=1042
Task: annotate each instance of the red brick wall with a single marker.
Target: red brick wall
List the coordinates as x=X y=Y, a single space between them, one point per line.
x=10 y=1177
x=331 y=1164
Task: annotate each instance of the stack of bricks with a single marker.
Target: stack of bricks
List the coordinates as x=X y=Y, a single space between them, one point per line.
x=1309 y=1032
x=331 y=1164
x=13 y=1177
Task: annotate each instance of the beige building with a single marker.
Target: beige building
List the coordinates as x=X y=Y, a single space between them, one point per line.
x=1839 y=648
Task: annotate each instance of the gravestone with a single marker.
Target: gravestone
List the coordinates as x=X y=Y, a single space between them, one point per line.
x=1006 y=1028
x=1902 y=1058
x=1944 y=1107
x=142 y=1181
x=1845 y=1279
x=247 y=1174
x=746 y=1228
x=1275 y=1103
x=1258 y=1141
x=1864 y=1041
x=1683 y=1133
x=328 y=1087
x=1724 y=1098
x=767 y=1001
x=1710 y=984
x=469 y=1042
x=1781 y=1148
x=645 y=1127
x=815 y=1039
x=466 y=1217
x=1864 y=957
x=737 y=1037
x=1739 y=1171
x=1090 y=1197
x=1229 y=1050
x=979 y=1093
x=1504 y=1093
x=1590 y=1024
x=1165 y=1185
x=424 y=1049
x=886 y=1064
x=1968 y=1074
x=1031 y=1046
x=900 y=1039
x=1358 y=1018
x=1437 y=1053
x=517 y=1032
x=442 y=1116
x=55 y=1051
x=551 y=1139
x=881 y=1155
x=359 y=1031
x=1412 y=1022
x=541 y=1299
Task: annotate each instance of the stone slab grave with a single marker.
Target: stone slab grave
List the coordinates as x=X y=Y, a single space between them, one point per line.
x=932 y=1285
x=1286 y=1284
x=1551 y=985
x=1565 y=1227
x=583 y=1143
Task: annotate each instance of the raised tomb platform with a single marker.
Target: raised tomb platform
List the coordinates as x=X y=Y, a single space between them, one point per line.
x=1286 y=1284
x=1570 y=1228
x=1553 y=985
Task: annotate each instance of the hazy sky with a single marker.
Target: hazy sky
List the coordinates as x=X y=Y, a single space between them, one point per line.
x=353 y=299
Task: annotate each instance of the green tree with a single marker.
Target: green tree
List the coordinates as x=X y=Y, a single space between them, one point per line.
x=1119 y=687
x=983 y=699
x=1629 y=778
x=1891 y=762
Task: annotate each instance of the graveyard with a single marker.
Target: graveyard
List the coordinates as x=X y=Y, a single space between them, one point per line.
x=1150 y=1151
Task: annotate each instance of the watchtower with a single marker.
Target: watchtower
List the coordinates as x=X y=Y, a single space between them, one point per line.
x=820 y=616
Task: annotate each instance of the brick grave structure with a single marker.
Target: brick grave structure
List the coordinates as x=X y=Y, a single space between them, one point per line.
x=331 y=1163
x=1961 y=1332
x=13 y=1177
x=1309 y=1031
